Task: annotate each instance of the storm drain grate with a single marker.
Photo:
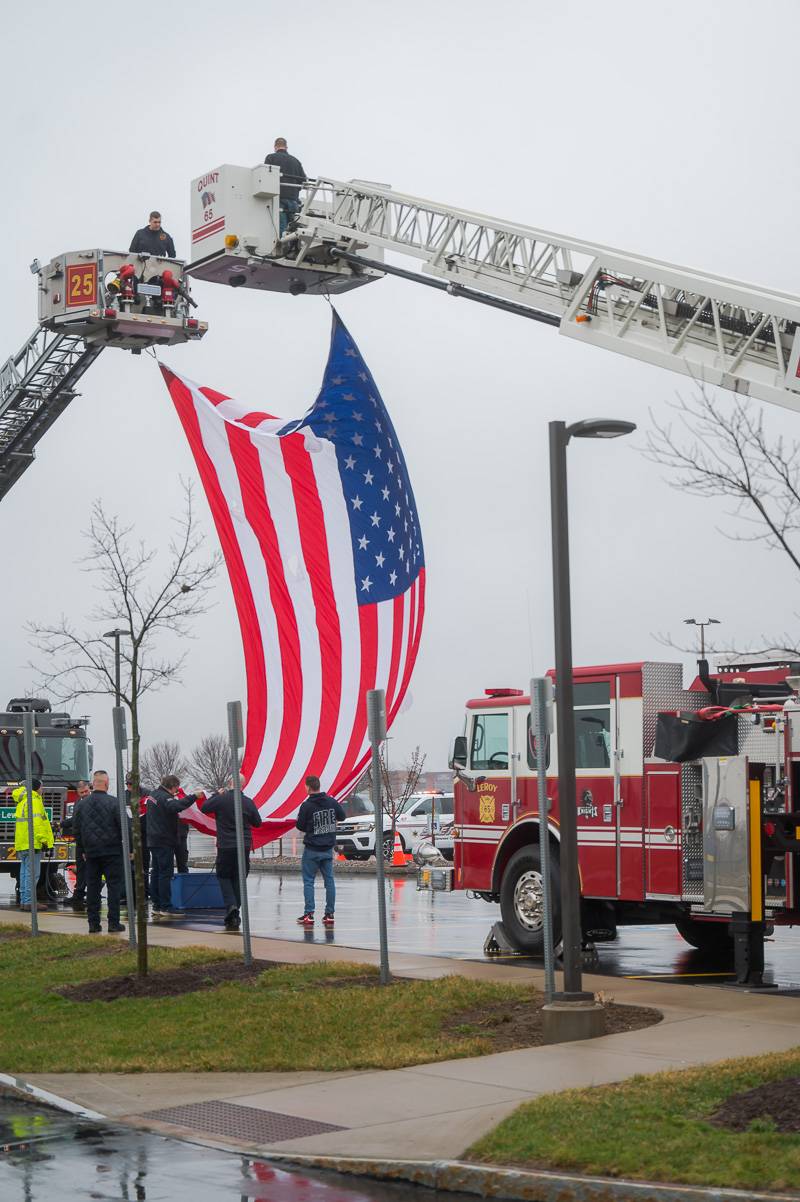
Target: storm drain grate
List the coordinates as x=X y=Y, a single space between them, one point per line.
x=241 y=1122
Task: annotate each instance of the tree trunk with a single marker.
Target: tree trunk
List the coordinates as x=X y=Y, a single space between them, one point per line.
x=138 y=855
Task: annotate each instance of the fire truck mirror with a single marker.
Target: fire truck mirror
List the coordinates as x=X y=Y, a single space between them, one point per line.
x=458 y=753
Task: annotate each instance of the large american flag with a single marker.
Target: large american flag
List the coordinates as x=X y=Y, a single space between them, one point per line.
x=321 y=537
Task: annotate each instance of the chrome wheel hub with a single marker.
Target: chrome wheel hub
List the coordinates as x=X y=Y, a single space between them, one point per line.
x=529 y=900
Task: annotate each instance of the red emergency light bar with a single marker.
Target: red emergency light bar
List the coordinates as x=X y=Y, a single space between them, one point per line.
x=504 y=693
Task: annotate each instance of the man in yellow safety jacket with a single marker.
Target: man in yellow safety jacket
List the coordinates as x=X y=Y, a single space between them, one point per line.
x=42 y=837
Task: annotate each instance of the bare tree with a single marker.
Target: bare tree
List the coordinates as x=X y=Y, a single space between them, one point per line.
x=721 y=449
x=210 y=763
x=160 y=760
x=146 y=601
x=398 y=786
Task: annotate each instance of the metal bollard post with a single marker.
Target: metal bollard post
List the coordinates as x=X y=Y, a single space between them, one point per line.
x=28 y=735
x=376 y=725
x=236 y=740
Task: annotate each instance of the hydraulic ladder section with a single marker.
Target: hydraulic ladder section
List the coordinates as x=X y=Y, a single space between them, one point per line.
x=715 y=330
x=36 y=385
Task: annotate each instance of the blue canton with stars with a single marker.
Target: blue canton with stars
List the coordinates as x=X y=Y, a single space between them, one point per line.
x=384 y=526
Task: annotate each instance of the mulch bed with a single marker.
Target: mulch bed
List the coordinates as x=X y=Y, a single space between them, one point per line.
x=505 y=1025
x=520 y=1024
x=777 y=1100
x=170 y=982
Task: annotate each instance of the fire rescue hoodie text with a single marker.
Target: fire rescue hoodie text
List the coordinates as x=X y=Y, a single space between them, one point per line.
x=317 y=818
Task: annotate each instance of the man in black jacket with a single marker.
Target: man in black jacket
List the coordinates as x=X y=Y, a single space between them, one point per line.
x=292 y=179
x=152 y=240
x=317 y=818
x=98 y=842
x=222 y=806
x=163 y=808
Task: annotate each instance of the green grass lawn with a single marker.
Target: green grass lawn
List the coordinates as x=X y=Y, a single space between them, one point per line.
x=289 y=1017
x=655 y=1128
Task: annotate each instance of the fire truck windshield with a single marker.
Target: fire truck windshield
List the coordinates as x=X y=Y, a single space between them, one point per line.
x=56 y=756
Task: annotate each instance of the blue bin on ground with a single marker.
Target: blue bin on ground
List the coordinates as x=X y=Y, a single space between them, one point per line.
x=196 y=891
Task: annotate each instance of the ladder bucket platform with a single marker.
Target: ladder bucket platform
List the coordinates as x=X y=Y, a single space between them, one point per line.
x=241 y=270
x=237 y=238
x=112 y=298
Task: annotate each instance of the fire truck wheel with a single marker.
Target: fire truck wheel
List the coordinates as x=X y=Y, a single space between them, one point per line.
x=521 y=900
x=709 y=937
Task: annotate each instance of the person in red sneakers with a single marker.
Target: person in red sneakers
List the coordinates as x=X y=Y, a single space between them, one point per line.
x=317 y=818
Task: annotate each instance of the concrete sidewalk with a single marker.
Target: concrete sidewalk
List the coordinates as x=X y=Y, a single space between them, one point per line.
x=430 y=1111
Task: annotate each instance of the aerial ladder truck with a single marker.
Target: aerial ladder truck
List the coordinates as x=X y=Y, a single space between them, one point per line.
x=704 y=836
x=715 y=330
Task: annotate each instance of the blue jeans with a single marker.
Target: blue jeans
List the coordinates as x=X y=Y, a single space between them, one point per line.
x=289 y=209
x=25 y=874
x=161 y=862
x=318 y=859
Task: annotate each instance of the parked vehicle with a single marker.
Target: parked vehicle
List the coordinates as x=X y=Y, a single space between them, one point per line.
x=355 y=837
x=441 y=839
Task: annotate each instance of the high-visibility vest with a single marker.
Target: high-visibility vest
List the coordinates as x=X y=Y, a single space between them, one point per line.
x=42 y=830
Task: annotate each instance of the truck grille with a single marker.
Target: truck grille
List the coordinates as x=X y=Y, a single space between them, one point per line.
x=54 y=799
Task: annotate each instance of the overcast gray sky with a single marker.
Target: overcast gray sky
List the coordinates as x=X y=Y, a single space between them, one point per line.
x=665 y=131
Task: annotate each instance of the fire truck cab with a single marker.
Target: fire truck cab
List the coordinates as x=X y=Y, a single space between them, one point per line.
x=62 y=756
x=688 y=804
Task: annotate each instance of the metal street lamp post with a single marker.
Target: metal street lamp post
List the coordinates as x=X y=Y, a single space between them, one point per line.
x=702 y=623
x=560 y=435
x=120 y=745
x=116 y=635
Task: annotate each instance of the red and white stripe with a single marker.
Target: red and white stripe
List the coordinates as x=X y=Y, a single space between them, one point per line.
x=205 y=231
x=311 y=652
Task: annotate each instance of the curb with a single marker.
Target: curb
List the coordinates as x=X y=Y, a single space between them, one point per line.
x=20 y=1088
x=449 y=1176
x=522 y=1185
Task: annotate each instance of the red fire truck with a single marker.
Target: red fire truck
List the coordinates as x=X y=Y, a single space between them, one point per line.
x=688 y=804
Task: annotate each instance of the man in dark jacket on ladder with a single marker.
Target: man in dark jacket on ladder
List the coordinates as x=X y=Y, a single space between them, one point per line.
x=163 y=808
x=292 y=179
x=317 y=818
x=98 y=842
x=222 y=806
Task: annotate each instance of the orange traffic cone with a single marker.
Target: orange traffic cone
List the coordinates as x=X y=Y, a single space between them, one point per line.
x=398 y=855
x=339 y=856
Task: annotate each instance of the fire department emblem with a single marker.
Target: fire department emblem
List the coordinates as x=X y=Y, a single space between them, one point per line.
x=486 y=809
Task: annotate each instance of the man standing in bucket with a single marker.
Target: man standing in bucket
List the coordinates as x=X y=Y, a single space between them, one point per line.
x=317 y=818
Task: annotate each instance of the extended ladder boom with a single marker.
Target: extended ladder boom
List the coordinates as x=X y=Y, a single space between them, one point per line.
x=88 y=300
x=716 y=330
x=36 y=385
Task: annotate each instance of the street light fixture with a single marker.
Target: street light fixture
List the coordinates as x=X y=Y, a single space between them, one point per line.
x=116 y=635
x=702 y=623
x=560 y=435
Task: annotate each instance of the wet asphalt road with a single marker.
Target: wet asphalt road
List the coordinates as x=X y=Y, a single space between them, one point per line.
x=454 y=925
x=46 y=1155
